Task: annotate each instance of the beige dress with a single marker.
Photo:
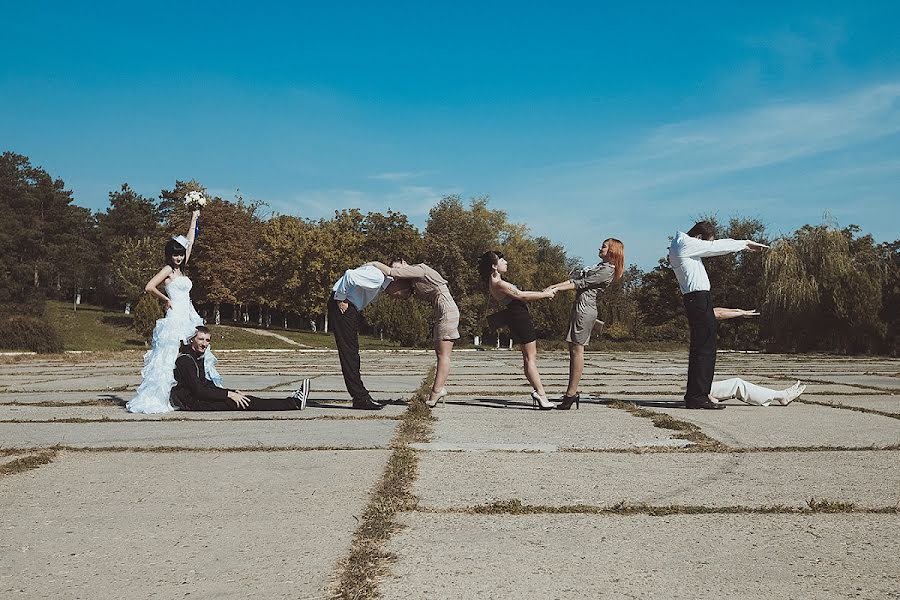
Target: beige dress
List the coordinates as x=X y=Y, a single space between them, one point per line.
x=588 y=283
x=429 y=285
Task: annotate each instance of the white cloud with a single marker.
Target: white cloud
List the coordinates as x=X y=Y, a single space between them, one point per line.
x=783 y=162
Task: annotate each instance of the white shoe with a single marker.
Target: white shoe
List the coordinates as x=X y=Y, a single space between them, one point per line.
x=792 y=393
x=432 y=402
x=541 y=402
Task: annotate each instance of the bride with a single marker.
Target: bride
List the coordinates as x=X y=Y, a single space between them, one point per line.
x=170 y=332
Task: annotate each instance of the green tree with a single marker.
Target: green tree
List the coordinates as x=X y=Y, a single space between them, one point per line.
x=48 y=244
x=824 y=291
x=146 y=312
x=387 y=236
x=133 y=263
x=129 y=216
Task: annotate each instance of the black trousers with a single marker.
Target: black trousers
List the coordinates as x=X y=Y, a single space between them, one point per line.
x=255 y=404
x=346 y=336
x=702 y=357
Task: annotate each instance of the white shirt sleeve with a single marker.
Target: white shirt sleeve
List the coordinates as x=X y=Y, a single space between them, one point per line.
x=364 y=277
x=696 y=248
x=368 y=277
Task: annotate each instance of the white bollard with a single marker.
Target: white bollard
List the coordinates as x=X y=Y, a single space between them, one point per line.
x=510 y=343
x=477 y=340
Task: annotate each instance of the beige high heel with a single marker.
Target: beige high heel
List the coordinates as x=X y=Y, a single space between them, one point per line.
x=432 y=402
x=541 y=403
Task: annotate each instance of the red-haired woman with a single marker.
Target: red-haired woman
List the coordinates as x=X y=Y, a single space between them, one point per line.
x=587 y=284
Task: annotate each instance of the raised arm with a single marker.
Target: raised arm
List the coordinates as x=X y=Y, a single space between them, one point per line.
x=723 y=314
x=192 y=232
x=697 y=248
x=152 y=286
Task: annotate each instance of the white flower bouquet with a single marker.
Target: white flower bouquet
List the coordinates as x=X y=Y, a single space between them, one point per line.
x=194 y=200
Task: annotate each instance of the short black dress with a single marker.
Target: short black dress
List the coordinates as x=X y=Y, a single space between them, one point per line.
x=517 y=318
x=521 y=328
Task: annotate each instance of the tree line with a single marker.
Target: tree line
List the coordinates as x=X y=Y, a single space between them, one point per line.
x=822 y=288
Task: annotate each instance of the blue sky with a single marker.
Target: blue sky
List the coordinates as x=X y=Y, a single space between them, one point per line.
x=582 y=120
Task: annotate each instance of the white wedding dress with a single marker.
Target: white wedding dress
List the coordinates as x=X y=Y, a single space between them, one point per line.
x=170 y=332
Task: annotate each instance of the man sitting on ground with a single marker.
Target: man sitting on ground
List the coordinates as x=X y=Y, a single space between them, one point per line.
x=194 y=391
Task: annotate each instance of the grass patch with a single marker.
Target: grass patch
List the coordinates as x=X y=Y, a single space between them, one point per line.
x=96 y=329
x=26 y=463
x=92 y=327
x=358 y=574
x=688 y=431
x=326 y=340
x=517 y=507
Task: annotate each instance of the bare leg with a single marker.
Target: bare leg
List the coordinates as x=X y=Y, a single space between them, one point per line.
x=576 y=367
x=529 y=361
x=442 y=348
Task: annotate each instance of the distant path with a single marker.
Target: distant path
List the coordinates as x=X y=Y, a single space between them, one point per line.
x=286 y=340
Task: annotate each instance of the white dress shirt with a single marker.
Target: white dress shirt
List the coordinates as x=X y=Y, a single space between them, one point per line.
x=360 y=286
x=685 y=253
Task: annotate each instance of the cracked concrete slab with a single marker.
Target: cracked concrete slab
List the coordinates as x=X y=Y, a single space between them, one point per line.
x=888 y=404
x=866 y=479
x=109 y=526
x=201 y=434
x=485 y=423
x=101 y=413
x=752 y=557
x=743 y=426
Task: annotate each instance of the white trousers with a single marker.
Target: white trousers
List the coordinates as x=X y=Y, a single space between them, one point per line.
x=744 y=391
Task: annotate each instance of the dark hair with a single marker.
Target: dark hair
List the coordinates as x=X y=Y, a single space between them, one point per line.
x=705 y=229
x=173 y=248
x=203 y=329
x=399 y=258
x=486 y=265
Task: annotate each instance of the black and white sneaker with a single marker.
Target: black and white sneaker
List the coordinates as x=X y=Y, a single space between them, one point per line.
x=301 y=395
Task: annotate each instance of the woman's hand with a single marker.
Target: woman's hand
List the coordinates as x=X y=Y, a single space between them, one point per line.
x=195 y=215
x=168 y=305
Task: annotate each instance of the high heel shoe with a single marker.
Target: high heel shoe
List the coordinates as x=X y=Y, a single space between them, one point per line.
x=567 y=402
x=432 y=402
x=537 y=401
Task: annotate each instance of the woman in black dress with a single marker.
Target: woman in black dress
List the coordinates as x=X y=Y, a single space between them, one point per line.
x=491 y=267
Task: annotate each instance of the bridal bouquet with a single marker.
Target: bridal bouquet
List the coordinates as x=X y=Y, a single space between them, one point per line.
x=194 y=201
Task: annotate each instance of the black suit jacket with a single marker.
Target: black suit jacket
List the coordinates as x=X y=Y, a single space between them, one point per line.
x=192 y=384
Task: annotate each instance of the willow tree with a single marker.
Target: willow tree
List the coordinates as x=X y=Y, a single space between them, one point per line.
x=824 y=292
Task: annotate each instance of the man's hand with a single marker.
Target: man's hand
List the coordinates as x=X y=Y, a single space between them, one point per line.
x=239 y=398
x=343 y=305
x=756 y=246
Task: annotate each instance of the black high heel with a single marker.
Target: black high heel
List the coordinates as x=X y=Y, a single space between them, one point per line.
x=567 y=401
